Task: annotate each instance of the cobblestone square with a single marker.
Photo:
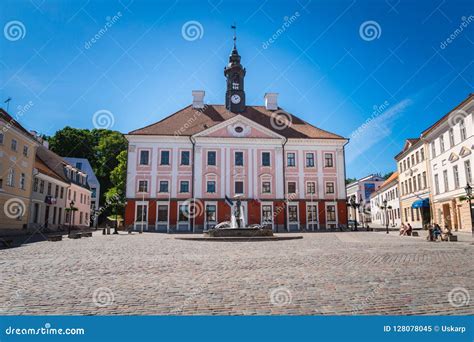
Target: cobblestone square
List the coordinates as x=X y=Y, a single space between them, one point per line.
x=324 y=273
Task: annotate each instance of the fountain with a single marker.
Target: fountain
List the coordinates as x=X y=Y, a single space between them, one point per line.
x=236 y=227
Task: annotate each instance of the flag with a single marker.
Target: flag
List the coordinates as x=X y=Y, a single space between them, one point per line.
x=229 y=201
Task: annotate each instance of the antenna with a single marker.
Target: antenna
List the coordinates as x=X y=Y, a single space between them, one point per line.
x=7 y=101
x=234 y=27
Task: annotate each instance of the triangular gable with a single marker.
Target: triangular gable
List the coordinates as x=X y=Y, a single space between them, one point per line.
x=239 y=127
x=453 y=157
x=465 y=151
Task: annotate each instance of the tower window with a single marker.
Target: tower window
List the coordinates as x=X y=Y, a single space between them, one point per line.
x=235 y=86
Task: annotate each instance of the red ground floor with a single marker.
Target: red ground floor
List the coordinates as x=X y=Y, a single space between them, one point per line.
x=200 y=214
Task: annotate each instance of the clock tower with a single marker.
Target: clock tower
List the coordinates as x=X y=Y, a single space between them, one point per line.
x=235 y=73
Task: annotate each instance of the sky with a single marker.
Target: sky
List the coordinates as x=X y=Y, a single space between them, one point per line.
x=377 y=72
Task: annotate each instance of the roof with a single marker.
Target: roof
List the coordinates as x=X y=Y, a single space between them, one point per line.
x=408 y=144
x=86 y=168
x=189 y=121
x=44 y=169
x=446 y=116
x=385 y=184
x=11 y=121
x=373 y=178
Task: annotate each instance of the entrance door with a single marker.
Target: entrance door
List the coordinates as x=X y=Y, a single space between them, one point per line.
x=447 y=215
x=46 y=216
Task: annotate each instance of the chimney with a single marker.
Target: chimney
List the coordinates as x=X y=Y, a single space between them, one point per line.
x=198 y=99
x=271 y=101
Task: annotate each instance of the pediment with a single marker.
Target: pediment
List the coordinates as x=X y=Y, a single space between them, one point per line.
x=453 y=157
x=239 y=127
x=465 y=151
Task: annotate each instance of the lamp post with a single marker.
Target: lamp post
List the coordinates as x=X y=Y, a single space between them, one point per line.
x=385 y=207
x=352 y=203
x=468 y=189
x=71 y=211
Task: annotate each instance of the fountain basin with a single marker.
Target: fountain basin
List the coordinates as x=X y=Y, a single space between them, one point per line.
x=249 y=232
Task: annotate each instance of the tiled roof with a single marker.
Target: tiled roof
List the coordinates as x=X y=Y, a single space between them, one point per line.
x=54 y=162
x=11 y=121
x=45 y=169
x=189 y=121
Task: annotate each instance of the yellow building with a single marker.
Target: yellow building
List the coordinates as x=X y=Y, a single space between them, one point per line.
x=17 y=157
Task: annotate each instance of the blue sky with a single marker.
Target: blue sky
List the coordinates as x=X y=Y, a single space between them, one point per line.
x=377 y=86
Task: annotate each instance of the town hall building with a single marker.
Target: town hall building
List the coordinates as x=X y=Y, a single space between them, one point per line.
x=185 y=169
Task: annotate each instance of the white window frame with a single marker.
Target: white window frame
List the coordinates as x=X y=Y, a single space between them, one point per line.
x=266 y=180
x=189 y=187
x=140 y=156
x=167 y=204
x=159 y=186
x=326 y=213
x=138 y=186
x=169 y=157
x=306 y=188
x=207 y=158
x=273 y=213
x=270 y=158
x=207 y=223
x=182 y=223
x=312 y=223
x=137 y=223
x=306 y=160
x=288 y=214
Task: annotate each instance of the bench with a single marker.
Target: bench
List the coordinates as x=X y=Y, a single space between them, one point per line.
x=7 y=243
x=75 y=236
x=86 y=234
x=55 y=237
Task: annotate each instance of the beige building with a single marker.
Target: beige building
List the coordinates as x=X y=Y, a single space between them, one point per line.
x=17 y=157
x=450 y=142
x=413 y=170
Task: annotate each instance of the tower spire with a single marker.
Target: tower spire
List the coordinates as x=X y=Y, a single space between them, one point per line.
x=234 y=27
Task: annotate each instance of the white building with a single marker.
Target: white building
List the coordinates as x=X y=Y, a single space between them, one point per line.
x=389 y=192
x=450 y=142
x=84 y=165
x=361 y=190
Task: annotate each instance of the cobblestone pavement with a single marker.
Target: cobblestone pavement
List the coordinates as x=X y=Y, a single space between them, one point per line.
x=323 y=273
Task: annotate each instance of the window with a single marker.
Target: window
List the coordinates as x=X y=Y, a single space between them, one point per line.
x=266 y=188
x=239 y=158
x=331 y=213
x=141 y=213
x=11 y=177
x=445 y=180
x=441 y=144
x=22 y=181
x=422 y=154
x=265 y=158
x=184 y=157
x=163 y=186
x=293 y=213
x=25 y=151
x=462 y=128
x=142 y=186
x=184 y=186
x=183 y=214
x=414 y=184
x=162 y=213
x=211 y=187
x=42 y=187
x=211 y=212
x=13 y=145
x=239 y=187
x=451 y=137
x=56 y=191
x=330 y=187
x=417 y=157
x=165 y=158
x=93 y=192
x=328 y=160
x=309 y=159
x=467 y=170
x=456 y=176
x=436 y=184
x=267 y=215
x=290 y=159
x=424 y=180
x=312 y=213
x=433 y=149
x=311 y=188
x=401 y=166
x=35 y=212
x=291 y=187
x=79 y=165
x=419 y=182
x=211 y=158
x=144 y=157
x=35 y=185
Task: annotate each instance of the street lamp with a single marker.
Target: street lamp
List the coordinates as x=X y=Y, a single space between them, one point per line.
x=468 y=189
x=352 y=203
x=71 y=211
x=385 y=207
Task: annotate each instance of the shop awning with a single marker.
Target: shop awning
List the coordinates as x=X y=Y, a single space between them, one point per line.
x=421 y=203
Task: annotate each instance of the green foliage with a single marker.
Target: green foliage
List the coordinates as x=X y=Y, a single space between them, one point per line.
x=387 y=175
x=350 y=180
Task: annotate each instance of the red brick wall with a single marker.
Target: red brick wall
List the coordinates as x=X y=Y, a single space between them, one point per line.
x=342 y=212
x=322 y=213
x=129 y=213
x=302 y=212
x=253 y=212
x=151 y=212
x=279 y=208
x=173 y=213
x=223 y=211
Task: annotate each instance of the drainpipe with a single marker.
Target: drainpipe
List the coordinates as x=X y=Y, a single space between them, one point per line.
x=193 y=141
x=284 y=184
x=345 y=189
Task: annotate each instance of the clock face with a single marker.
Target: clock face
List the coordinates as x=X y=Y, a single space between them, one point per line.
x=235 y=99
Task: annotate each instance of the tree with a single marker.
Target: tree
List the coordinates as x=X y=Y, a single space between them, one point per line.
x=350 y=180
x=387 y=175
